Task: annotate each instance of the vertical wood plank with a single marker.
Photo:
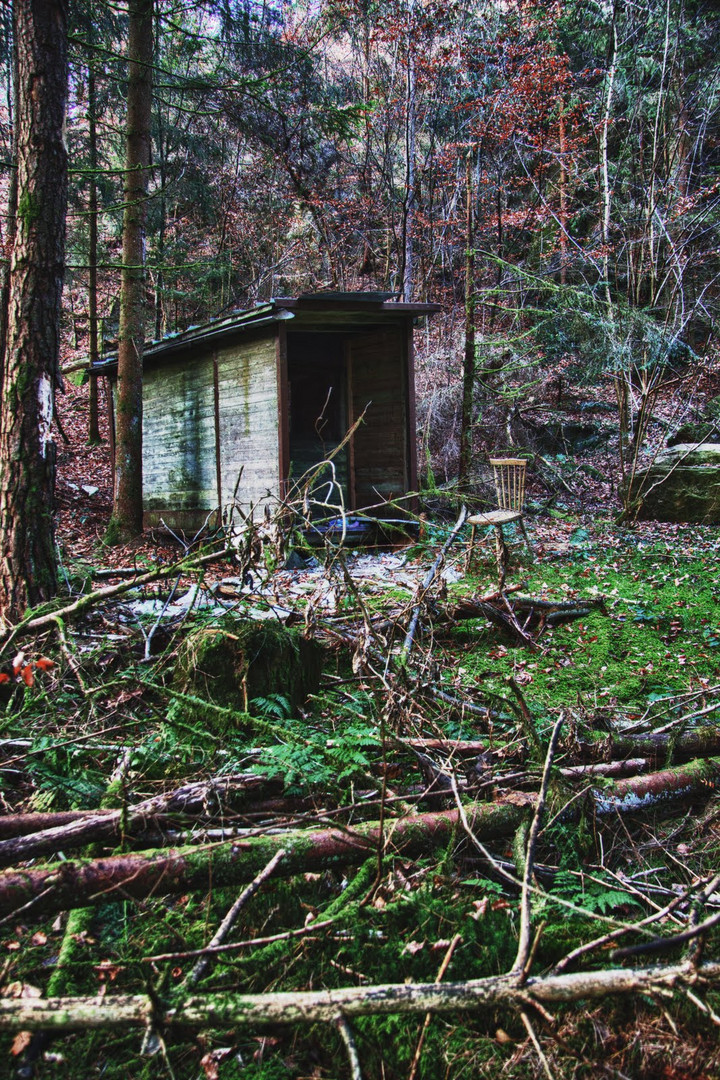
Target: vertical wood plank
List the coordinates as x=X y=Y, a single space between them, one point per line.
x=412 y=462
x=218 y=455
x=352 y=496
x=283 y=408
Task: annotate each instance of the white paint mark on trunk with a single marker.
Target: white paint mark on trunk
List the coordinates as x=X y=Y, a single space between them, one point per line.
x=45 y=412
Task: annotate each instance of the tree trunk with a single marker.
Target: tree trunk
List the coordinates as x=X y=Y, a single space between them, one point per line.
x=93 y=424
x=127 y=503
x=409 y=201
x=31 y=364
x=466 y=432
x=11 y=202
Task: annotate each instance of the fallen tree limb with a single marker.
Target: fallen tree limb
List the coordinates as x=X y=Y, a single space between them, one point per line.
x=79 y=883
x=535 y=612
x=693 y=780
x=44 y=620
x=613 y=749
x=104 y=825
x=317 y=1006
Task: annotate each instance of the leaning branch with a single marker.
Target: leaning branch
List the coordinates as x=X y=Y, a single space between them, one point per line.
x=83 y=603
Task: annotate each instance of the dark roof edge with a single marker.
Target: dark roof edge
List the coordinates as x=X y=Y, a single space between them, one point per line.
x=352 y=301
x=206 y=333
x=277 y=310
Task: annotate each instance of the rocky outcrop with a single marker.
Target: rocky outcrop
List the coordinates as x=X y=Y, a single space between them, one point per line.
x=681 y=484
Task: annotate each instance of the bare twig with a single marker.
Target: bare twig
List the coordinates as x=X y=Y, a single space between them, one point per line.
x=347 y=1037
x=426 y=583
x=199 y=968
x=428 y=1016
x=525 y=918
x=536 y=1043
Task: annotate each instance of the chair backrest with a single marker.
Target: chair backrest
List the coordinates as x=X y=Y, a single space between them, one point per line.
x=509 y=482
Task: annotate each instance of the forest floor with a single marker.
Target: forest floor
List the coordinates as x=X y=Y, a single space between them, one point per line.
x=597 y=667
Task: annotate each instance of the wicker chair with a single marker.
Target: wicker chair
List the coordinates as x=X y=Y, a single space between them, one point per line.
x=509 y=476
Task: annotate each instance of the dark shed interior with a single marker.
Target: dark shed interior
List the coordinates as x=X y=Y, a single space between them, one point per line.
x=318 y=411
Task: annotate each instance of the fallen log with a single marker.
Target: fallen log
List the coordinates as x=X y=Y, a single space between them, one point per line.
x=626 y=767
x=684 y=782
x=533 y=613
x=103 y=825
x=700 y=743
x=316 y=1006
x=83 y=882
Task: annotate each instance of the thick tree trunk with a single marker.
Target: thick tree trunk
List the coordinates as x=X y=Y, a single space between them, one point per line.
x=127 y=505
x=31 y=368
x=11 y=202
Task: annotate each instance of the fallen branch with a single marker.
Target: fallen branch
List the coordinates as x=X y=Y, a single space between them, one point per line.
x=317 y=1006
x=186 y=565
x=104 y=825
x=79 y=883
x=203 y=962
x=522 y=614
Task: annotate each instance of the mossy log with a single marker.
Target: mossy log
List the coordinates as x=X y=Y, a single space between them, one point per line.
x=83 y=882
x=316 y=1006
x=80 y=882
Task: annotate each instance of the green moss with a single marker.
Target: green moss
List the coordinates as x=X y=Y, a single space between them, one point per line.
x=233 y=662
x=661 y=634
x=28 y=208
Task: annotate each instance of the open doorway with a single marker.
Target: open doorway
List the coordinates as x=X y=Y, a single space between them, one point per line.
x=317 y=392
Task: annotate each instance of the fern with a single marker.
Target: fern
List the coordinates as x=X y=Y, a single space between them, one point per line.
x=275 y=706
x=591 y=895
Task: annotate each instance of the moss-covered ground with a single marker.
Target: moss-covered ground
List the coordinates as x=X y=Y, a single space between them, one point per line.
x=104 y=710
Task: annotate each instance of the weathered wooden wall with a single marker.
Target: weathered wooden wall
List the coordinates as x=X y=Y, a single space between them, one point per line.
x=248 y=412
x=179 y=443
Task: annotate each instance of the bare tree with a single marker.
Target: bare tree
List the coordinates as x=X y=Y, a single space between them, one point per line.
x=127 y=505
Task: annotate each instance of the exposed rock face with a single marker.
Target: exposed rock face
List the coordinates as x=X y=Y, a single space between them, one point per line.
x=689 y=487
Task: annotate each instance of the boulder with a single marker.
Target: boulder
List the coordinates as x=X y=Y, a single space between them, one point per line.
x=688 y=485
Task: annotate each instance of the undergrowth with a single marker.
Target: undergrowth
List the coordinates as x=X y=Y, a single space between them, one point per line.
x=394 y=920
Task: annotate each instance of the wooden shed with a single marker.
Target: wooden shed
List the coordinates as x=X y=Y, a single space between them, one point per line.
x=241 y=407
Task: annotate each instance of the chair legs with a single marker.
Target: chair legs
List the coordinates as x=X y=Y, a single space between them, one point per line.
x=527 y=540
x=502 y=554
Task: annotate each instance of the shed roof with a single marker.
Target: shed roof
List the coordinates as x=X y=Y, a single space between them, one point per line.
x=312 y=311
